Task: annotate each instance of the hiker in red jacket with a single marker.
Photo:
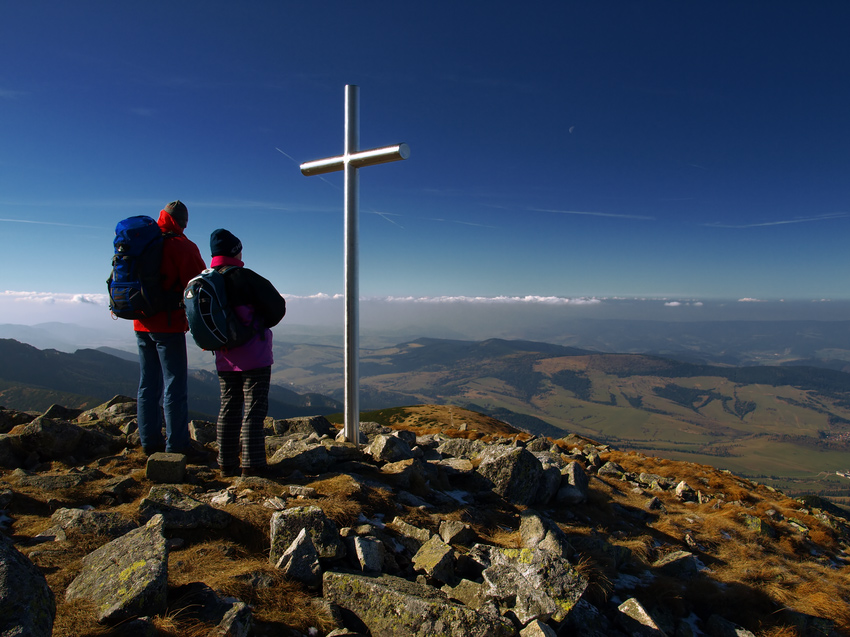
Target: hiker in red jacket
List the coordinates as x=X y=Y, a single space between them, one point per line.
x=163 y=383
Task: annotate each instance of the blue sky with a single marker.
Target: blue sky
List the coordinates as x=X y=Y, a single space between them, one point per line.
x=665 y=150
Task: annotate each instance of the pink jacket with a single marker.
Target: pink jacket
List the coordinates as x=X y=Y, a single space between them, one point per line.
x=241 y=286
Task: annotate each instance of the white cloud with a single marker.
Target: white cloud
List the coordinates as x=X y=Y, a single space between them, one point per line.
x=54 y=298
x=749 y=300
x=528 y=299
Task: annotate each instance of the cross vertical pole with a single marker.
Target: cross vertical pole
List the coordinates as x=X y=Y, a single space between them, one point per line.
x=352 y=266
x=349 y=162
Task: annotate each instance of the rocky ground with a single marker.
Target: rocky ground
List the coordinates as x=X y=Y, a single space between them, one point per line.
x=420 y=530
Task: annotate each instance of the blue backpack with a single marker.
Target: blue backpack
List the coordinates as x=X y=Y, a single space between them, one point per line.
x=212 y=321
x=135 y=284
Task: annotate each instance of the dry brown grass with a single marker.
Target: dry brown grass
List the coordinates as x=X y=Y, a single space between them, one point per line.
x=227 y=567
x=599 y=584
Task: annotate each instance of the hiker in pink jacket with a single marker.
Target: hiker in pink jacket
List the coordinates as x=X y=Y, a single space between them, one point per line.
x=244 y=372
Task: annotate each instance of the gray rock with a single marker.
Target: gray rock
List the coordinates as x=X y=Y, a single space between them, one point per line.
x=127 y=577
x=436 y=560
x=318 y=425
x=575 y=476
x=49 y=439
x=370 y=553
x=461 y=448
x=27 y=605
x=679 y=564
x=302 y=455
x=287 y=525
x=301 y=561
x=456 y=532
x=117 y=410
x=587 y=620
x=685 y=492
x=76 y=522
x=407 y=474
x=389 y=449
x=635 y=620
x=611 y=469
x=58 y=481
x=304 y=492
x=10 y=418
x=537 y=629
x=530 y=584
x=203 y=431
x=181 y=511
x=654 y=504
x=540 y=532
x=166 y=467
x=539 y=444
x=514 y=473
x=466 y=592
x=391 y=606
x=549 y=486
x=408 y=437
x=408 y=530
x=58 y=412
x=758 y=525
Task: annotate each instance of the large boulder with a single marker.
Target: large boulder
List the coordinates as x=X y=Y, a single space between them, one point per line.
x=127 y=577
x=181 y=511
x=301 y=561
x=303 y=455
x=461 y=448
x=49 y=439
x=528 y=583
x=514 y=473
x=539 y=532
x=324 y=533
x=389 y=449
x=80 y=522
x=318 y=425
x=390 y=606
x=27 y=605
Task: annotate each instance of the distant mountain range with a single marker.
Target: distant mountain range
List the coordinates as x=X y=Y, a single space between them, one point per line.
x=782 y=342
x=786 y=425
x=33 y=379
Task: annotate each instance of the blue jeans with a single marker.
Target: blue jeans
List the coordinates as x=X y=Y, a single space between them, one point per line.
x=163 y=388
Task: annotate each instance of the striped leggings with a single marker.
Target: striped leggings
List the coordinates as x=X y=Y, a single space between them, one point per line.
x=246 y=392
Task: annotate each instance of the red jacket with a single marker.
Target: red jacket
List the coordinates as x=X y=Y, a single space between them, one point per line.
x=181 y=260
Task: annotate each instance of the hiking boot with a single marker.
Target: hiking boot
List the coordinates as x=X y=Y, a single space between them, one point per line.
x=229 y=472
x=255 y=472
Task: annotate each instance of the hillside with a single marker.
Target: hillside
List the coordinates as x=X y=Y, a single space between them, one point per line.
x=433 y=527
x=35 y=379
x=786 y=425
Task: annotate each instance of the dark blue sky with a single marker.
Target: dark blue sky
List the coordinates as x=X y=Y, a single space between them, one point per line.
x=670 y=150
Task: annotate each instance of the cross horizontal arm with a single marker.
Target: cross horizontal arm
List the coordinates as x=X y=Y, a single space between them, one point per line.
x=357 y=160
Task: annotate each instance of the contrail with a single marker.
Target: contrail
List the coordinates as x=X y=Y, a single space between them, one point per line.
x=594 y=214
x=782 y=222
x=297 y=163
x=51 y=223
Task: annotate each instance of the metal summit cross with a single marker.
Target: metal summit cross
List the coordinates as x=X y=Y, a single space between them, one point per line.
x=352 y=159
